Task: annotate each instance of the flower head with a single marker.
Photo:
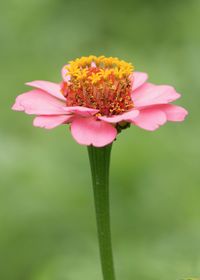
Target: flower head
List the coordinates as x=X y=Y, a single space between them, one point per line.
x=100 y=83
x=98 y=97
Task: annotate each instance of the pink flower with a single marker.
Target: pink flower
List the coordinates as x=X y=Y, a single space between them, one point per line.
x=98 y=97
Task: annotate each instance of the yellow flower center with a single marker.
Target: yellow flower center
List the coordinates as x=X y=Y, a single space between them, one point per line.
x=100 y=83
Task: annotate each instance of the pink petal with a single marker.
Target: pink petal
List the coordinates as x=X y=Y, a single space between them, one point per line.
x=64 y=72
x=51 y=88
x=80 y=111
x=138 y=79
x=39 y=102
x=150 y=119
x=150 y=94
x=127 y=116
x=93 y=64
x=89 y=131
x=173 y=112
x=50 y=122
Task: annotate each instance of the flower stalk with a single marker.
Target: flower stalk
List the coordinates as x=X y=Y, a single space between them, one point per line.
x=99 y=163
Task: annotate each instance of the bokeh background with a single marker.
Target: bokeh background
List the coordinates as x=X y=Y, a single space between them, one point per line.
x=47 y=223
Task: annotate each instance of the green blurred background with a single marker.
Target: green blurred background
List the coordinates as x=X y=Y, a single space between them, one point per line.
x=47 y=223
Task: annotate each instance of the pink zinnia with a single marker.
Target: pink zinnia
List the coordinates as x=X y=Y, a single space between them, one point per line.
x=99 y=97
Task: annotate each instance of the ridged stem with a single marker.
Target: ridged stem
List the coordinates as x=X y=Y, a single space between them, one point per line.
x=99 y=163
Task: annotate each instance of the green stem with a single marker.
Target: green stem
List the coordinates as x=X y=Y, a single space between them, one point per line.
x=99 y=163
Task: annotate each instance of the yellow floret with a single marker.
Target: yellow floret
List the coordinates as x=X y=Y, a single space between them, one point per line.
x=106 y=66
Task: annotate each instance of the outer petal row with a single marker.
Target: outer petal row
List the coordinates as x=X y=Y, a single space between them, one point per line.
x=127 y=116
x=39 y=102
x=89 y=131
x=138 y=79
x=51 y=88
x=150 y=94
x=173 y=112
x=86 y=131
x=148 y=119
x=50 y=122
x=150 y=101
x=152 y=118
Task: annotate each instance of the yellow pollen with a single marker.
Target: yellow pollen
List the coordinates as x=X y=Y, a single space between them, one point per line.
x=100 y=82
